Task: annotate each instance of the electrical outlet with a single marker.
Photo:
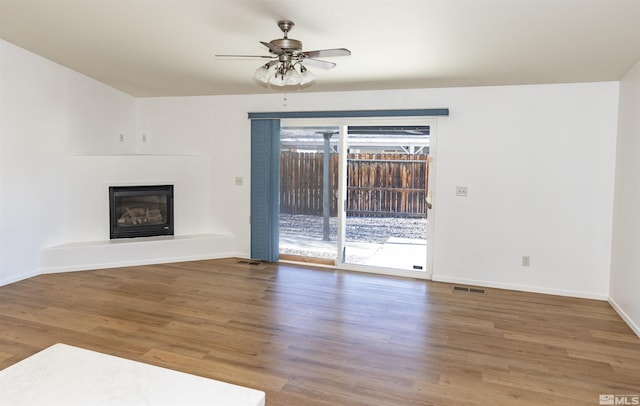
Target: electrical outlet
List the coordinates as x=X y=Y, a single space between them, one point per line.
x=461 y=191
x=525 y=260
x=239 y=180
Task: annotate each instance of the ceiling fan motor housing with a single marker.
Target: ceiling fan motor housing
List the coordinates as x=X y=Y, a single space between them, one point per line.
x=287 y=44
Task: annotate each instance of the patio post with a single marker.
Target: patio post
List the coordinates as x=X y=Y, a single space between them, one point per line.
x=326 y=186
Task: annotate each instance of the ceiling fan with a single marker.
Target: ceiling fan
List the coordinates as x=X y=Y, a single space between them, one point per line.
x=286 y=55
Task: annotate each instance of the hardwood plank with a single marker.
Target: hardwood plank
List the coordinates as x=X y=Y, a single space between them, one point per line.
x=318 y=337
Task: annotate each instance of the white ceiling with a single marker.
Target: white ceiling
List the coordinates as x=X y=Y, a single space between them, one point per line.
x=167 y=47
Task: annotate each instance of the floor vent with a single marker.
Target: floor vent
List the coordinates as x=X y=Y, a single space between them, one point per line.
x=469 y=290
x=246 y=262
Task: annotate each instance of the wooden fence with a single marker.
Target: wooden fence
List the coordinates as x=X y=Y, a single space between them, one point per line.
x=377 y=184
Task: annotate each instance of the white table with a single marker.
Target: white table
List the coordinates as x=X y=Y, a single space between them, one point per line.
x=66 y=375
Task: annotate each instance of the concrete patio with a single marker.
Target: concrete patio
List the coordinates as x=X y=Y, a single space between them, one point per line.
x=395 y=252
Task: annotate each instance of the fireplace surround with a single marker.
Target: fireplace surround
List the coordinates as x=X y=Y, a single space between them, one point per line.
x=140 y=211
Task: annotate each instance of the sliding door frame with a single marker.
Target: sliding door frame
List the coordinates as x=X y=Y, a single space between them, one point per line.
x=330 y=118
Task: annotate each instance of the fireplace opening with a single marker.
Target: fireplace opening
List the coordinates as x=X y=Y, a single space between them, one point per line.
x=140 y=211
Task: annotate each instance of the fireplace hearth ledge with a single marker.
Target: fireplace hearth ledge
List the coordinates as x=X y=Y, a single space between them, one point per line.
x=87 y=255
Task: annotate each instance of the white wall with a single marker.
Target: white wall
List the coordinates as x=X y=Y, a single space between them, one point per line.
x=625 y=262
x=47 y=112
x=64 y=139
x=538 y=162
x=217 y=127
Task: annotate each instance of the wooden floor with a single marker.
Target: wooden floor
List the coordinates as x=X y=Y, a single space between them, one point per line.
x=310 y=336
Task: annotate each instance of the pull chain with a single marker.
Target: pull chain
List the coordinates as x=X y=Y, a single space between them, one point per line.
x=284 y=99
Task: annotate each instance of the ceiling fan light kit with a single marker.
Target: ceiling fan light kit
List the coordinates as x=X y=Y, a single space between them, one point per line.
x=262 y=74
x=306 y=77
x=284 y=75
x=286 y=66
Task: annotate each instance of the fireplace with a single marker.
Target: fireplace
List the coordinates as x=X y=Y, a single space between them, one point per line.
x=140 y=211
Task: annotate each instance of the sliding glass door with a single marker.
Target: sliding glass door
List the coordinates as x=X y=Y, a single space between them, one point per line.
x=309 y=162
x=386 y=181
x=353 y=193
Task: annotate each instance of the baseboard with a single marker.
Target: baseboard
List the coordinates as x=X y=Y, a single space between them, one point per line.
x=625 y=317
x=8 y=281
x=521 y=288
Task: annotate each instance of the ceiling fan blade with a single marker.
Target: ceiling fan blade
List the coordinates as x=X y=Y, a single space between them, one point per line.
x=325 y=53
x=318 y=63
x=245 y=56
x=273 y=48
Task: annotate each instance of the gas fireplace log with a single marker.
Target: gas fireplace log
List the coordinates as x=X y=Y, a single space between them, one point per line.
x=140 y=215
